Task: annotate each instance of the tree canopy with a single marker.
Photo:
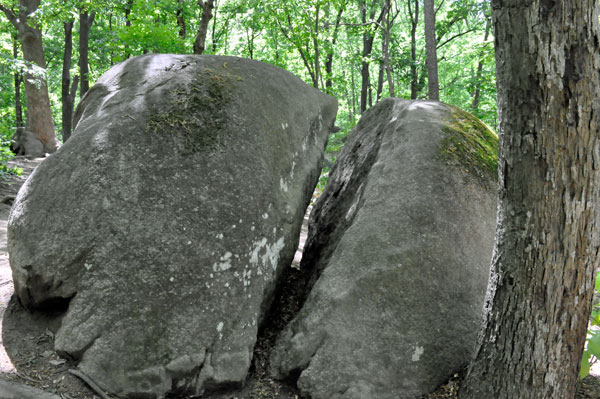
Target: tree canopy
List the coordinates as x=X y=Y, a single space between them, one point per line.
x=351 y=49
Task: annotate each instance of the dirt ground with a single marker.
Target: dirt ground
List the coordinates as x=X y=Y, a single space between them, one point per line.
x=27 y=347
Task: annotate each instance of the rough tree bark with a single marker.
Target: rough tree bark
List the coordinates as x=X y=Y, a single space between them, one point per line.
x=69 y=89
x=431 y=48
x=39 y=115
x=18 y=77
x=543 y=268
x=200 y=42
x=85 y=25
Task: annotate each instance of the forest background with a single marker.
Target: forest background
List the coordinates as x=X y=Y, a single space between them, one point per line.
x=358 y=51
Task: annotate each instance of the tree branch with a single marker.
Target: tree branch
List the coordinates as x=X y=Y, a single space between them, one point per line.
x=10 y=14
x=454 y=37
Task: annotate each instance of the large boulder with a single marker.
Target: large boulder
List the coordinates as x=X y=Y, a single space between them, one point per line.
x=399 y=245
x=167 y=218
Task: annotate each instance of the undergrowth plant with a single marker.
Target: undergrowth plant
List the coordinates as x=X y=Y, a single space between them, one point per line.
x=591 y=354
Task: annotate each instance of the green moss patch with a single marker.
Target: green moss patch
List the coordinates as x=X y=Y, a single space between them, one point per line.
x=470 y=143
x=197 y=115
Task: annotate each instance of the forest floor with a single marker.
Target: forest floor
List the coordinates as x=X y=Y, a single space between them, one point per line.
x=27 y=353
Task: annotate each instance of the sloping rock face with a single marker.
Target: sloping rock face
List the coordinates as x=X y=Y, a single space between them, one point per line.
x=400 y=245
x=167 y=218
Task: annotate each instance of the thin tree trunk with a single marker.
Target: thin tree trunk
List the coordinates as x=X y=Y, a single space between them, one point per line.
x=39 y=115
x=200 y=42
x=385 y=51
x=69 y=89
x=213 y=37
x=317 y=65
x=368 y=38
x=128 y=8
x=431 y=47
x=479 y=73
x=181 y=20
x=353 y=85
x=414 y=23
x=546 y=255
x=329 y=58
x=18 y=77
x=85 y=24
x=364 y=69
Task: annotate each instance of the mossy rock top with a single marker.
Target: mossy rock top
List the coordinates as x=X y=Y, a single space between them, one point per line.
x=470 y=143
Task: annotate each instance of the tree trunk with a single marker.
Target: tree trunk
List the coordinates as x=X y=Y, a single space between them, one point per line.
x=39 y=115
x=18 y=76
x=181 y=20
x=330 y=50
x=68 y=89
x=543 y=269
x=200 y=43
x=364 y=69
x=213 y=36
x=414 y=76
x=479 y=73
x=385 y=67
x=85 y=24
x=368 y=38
x=317 y=64
x=431 y=47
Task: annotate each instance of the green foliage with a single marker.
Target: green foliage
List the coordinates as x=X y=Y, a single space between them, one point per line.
x=300 y=36
x=5 y=156
x=591 y=354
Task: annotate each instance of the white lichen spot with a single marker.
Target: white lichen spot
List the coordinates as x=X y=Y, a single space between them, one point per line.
x=265 y=216
x=220 y=236
x=220 y=329
x=270 y=253
x=172 y=279
x=189 y=242
x=252 y=228
x=283 y=185
x=233 y=227
x=416 y=356
x=224 y=264
x=88 y=266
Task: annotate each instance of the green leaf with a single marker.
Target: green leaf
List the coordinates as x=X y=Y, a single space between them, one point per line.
x=585 y=365
x=593 y=345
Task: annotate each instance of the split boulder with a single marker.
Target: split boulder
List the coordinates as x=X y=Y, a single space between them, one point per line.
x=399 y=245
x=164 y=222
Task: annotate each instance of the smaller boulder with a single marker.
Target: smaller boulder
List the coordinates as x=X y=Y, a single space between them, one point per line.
x=399 y=245
x=24 y=142
x=14 y=390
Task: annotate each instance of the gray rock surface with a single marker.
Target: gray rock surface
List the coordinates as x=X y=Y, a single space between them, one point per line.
x=13 y=390
x=24 y=142
x=400 y=244
x=167 y=218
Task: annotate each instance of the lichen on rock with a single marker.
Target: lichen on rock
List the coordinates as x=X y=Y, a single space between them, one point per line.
x=471 y=144
x=197 y=114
